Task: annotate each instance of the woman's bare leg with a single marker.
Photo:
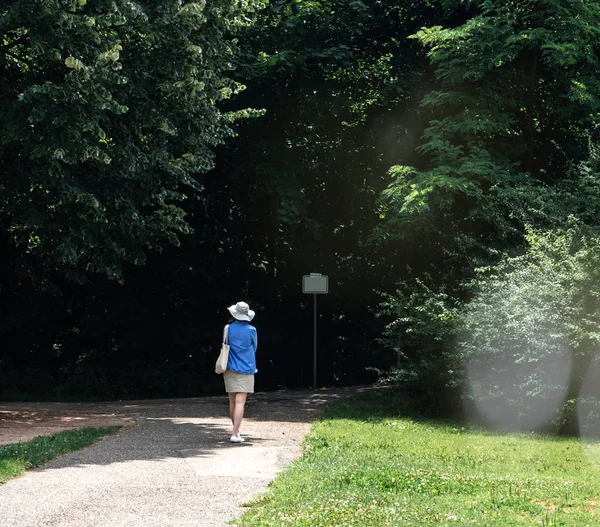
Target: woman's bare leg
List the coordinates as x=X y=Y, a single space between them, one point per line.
x=231 y=405
x=238 y=411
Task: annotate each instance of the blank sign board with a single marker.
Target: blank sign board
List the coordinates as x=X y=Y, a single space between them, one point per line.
x=315 y=284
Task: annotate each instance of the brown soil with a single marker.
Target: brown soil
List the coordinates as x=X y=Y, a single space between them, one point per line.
x=19 y=425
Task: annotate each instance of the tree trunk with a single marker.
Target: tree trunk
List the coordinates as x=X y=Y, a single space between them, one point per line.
x=569 y=422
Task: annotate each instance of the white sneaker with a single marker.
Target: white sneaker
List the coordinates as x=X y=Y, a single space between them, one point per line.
x=236 y=439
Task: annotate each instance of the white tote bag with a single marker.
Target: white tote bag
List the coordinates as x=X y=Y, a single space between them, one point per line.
x=221 y=365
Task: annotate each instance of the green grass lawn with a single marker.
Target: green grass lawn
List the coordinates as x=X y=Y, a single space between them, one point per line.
x=367 y=465
x=17 y=458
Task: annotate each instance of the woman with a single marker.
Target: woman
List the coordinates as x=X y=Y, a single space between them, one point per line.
x=241 y=366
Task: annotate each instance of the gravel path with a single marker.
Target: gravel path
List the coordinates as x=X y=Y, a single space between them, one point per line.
x=172 y=464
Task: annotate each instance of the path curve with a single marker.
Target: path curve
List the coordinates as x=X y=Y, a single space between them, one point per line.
x=171 y=465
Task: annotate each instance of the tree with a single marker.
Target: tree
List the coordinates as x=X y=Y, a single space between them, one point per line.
x=531 y=332
x=338 y=82
x=513 y=110
x=110 y=111
x=424 y=321
x=517 y=98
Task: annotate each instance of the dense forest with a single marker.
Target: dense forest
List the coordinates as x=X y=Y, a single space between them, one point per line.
x=438 y=160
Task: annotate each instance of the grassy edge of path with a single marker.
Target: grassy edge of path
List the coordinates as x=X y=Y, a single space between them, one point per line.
x=371 y=462
x=16 y=458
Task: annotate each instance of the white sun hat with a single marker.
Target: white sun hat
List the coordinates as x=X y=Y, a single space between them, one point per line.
x=241 y=311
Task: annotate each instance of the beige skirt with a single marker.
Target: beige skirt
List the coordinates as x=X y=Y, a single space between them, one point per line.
x=238 y=382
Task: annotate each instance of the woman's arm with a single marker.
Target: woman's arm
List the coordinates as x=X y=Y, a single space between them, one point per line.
x=254 y=337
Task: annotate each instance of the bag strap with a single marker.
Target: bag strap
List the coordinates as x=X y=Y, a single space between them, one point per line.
x=226 y=334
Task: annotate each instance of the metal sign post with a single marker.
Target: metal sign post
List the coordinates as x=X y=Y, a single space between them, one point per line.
x=315 y=284
x=315 y=341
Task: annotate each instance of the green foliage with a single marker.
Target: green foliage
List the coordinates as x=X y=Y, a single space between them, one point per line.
x=424 y=320
x=110 y=111
x=17 y=458
x=369 y=462
x=509 y=146
x=533 y=327
x=327 y=75
x=337 y=81
x=516 y=97
x=522 y=335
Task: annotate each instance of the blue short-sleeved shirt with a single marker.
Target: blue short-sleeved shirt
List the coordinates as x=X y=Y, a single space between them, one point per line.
x=243 y=342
